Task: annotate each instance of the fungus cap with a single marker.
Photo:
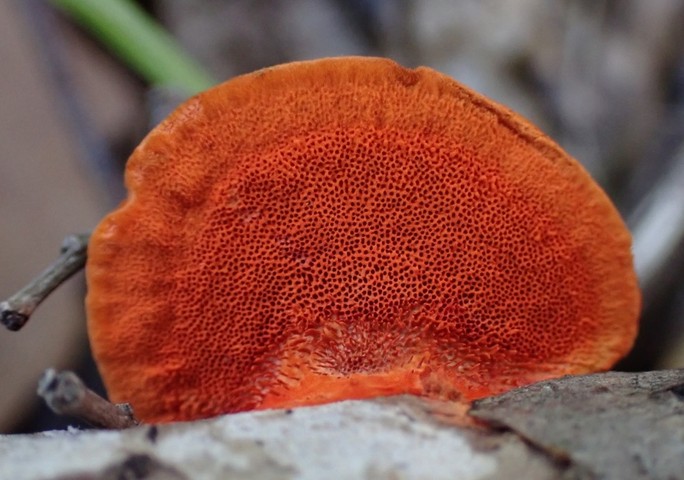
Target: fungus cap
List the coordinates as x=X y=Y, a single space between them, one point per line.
x=347 y=228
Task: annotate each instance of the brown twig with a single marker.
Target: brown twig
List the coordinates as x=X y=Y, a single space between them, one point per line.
x=16 y=310
x=66 y=394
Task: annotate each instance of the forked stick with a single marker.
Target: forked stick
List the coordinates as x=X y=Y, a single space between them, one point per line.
x=64 y=392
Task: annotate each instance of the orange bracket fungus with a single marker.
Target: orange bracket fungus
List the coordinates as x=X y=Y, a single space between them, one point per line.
x=349 y=228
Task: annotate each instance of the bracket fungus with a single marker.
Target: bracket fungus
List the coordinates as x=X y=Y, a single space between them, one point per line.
x=349 y=228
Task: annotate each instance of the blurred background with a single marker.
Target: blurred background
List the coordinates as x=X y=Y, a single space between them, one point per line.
x=603 y=78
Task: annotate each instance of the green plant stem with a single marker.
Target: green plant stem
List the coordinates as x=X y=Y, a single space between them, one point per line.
x=139 y=41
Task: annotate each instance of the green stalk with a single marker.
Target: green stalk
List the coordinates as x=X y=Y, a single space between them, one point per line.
x=139 y=41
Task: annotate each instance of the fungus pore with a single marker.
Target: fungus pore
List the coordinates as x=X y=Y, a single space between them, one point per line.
x=348 y=228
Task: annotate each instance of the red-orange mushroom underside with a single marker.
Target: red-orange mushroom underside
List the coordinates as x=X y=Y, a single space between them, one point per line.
x=348 y=228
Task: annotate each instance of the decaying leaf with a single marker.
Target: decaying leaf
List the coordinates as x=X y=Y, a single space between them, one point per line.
x=610 y=425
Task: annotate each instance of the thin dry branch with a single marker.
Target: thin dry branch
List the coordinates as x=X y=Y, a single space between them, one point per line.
x=66 y=394
x=16 y=310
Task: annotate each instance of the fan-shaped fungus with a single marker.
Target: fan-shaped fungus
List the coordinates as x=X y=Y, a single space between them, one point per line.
x=348 y=228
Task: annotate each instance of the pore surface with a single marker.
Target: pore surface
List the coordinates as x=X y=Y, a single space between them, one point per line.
x=364 y=230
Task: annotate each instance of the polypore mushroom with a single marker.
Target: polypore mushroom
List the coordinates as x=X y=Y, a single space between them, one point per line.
x=348 y=228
